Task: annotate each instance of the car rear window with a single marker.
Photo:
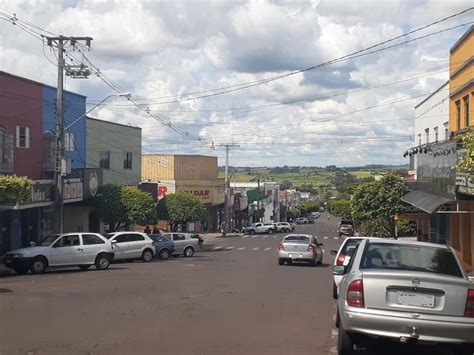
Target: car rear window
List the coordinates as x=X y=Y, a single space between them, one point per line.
x=350 y=246
x=410 y=257
x=297 y=238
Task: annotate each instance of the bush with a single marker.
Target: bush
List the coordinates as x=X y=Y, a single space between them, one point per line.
x=14 y=189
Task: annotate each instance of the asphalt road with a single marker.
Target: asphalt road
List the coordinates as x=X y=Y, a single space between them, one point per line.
x=233 y=298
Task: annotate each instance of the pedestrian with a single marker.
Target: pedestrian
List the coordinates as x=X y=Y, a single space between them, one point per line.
x=223 y=228
x=147 y=230
x=156 y=230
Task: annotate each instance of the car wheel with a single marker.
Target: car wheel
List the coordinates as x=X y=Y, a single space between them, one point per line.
x=338 y=318
x=84 y=267
x=38 y=266
x=147 y=255
x=270 y=231
x=102 y=262
x=251 y=232
x=334 y=291
x=281 y=261
x=164 y=254
x=21 y=270
x=188 y=252
x=313 y=263
x=345 y=346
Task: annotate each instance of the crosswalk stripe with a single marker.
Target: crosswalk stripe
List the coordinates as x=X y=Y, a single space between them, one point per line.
x=255 y=248
x=229 y=248
x=325 y=238
x=267 y=248
x=241 y=248
x=265 y=236
x=245 y=236
x=254 y=236
x=336 y=238
x=275 y=236
x=216 y=248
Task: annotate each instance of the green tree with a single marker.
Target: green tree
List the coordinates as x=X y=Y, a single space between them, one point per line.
x=14 y=189
x=180 y=208
x=375 y=204
x=120 y=206
x=308 y=207
x=341 y=208
x=286 y=184
x=466 y=160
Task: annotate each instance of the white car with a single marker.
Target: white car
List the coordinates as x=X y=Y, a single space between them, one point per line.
x=62 y=250
x=284 y=227
x=183 y=243
x=343 y=256
x=132 y=245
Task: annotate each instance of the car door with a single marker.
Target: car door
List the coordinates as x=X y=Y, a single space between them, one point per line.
x=91 y=245
x=136 y=244
x=318 y=249
x=67 y=250
x=120 y=246
x=179 y=240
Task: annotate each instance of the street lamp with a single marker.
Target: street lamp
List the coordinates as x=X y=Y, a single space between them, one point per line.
x=122 y=94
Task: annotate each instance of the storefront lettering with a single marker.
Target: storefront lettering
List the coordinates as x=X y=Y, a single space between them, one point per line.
x=199 y=193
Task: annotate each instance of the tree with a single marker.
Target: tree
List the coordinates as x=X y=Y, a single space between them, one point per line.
x=14 y=189
x=341 y=208
x=286 y=184
x=375 y=204
x=466 y=160
x=120 y=206
x=180 y=208
x=308 y=207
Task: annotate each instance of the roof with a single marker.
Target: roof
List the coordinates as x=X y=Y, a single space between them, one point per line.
x=424 y=201
x=404 y=241
x=115 y=123
x=432 y=94
x=463 y=37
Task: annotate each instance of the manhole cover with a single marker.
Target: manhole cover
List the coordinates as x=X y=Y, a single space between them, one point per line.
x=5 y=290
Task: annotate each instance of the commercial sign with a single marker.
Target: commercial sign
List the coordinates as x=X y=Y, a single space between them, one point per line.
x=41 y=192
x=73 y=190
x=465 y=183
x=92 y=181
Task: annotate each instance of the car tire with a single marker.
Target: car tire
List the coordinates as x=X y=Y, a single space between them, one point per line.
x=313 y=263
x=102 y=262
x=345 y=346
x=281 y=261
x=84 y=267
x=338 y=318
x=270 y=231
x=164 y=254
x=21 y=270
x=251 y=232
x=38 y=265
x=147 y=255
x=188 y=252
x=334 y=290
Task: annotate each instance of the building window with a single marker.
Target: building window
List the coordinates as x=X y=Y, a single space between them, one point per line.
x=22 y=137
x=69 y=142
x=446 y=130
x=104 y=159
x=427 y=135
x=435 y=134
x=419 y=139
x=466 y=109
x=127 y=161
x=458 y=115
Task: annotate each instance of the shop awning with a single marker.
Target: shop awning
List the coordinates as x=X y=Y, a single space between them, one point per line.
x=425 y=201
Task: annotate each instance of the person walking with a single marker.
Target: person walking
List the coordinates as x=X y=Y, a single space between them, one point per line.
x=147 y=230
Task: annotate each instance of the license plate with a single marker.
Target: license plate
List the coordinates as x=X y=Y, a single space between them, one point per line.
x=296 y=256
x=415 y=299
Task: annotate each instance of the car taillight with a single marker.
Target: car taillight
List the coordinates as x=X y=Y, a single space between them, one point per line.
x=281 y=247
x=310 y=249
x=355 y=294
x=469 y=312
x=340 y=259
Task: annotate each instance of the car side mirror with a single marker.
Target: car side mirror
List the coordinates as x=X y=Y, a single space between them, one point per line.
x=333 y=252
x=114 y=241
x=339 y=270
x=32 y=244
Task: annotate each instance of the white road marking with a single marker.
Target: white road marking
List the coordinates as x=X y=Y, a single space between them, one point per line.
x=190 y=265
x=325 y=238
x=323 y=250
x=246 y=236
x=229 y=248
x=255 y=236
x=255 y=248
x=267 y=248
x=334 y=333
x=336 y=238
x=265 y=236
x=242 y=248
x=275 y=236
x=216 y=248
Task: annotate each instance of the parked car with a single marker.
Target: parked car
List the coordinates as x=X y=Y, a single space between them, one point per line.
x=300 y=247
x=346 y=230
x=183 y=244
x=315 y=215
x=343 y=256
x=285 y=227
x=405 y=291
x=132 y=246
x=62 y=250
x=164 y=247
x=259 y=228
x=301 y=220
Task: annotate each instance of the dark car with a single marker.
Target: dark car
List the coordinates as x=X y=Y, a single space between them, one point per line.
x=163 y=246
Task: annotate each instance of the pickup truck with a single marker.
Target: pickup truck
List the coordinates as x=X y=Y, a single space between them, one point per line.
x=259 y=228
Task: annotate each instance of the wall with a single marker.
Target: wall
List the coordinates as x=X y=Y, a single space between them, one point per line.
x=21 y=105
x=157 y=167
x=118 y=139
x=76 y=218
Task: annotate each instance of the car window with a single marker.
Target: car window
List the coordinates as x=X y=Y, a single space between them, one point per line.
x=135 y=238
x=91 y=239
x=167 y=236
x=410 y=257
x=67 y=241
x=46 y=242
x=122 y=238
x=178 y=237
x=351 y=262
x=297 y=238
x=350 y=246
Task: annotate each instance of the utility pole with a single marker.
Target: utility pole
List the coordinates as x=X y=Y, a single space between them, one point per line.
x=60 y=166
x=258 y=198
x=227 y=147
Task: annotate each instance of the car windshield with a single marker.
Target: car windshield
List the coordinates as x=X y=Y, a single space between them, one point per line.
x=46 y=242
x=350 y=247
x=297 y=238
x=410 y=257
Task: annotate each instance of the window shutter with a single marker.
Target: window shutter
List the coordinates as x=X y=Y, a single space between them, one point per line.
x=27 y=137
x=18 y=136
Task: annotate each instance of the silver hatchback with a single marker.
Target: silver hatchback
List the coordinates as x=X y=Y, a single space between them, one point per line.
x=410 y=292
x=300 y=247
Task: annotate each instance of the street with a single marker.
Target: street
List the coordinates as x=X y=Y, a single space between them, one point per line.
x=232 y=298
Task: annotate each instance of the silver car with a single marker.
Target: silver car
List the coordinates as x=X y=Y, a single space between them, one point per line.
x=132 y=245
x=183 y=243
x=410 y=292
x=300 y=247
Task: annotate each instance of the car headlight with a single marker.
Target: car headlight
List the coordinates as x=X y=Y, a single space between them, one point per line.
x=16 y=255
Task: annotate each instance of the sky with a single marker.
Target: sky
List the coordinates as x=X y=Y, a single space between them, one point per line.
x=201 y=70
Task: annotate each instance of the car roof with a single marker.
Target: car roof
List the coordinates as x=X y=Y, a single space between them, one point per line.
x=125 y=232
x=405 y=242
x=298 y=235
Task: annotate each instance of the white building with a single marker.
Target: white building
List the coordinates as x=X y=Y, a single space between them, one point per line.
x=431 y=120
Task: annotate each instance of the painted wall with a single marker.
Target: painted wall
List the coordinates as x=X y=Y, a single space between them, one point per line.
x=74 y=107
x=117 y=139
x=21 y=105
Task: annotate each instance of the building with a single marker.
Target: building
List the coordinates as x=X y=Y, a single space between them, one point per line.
x=442 y=199
x=194 y=174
